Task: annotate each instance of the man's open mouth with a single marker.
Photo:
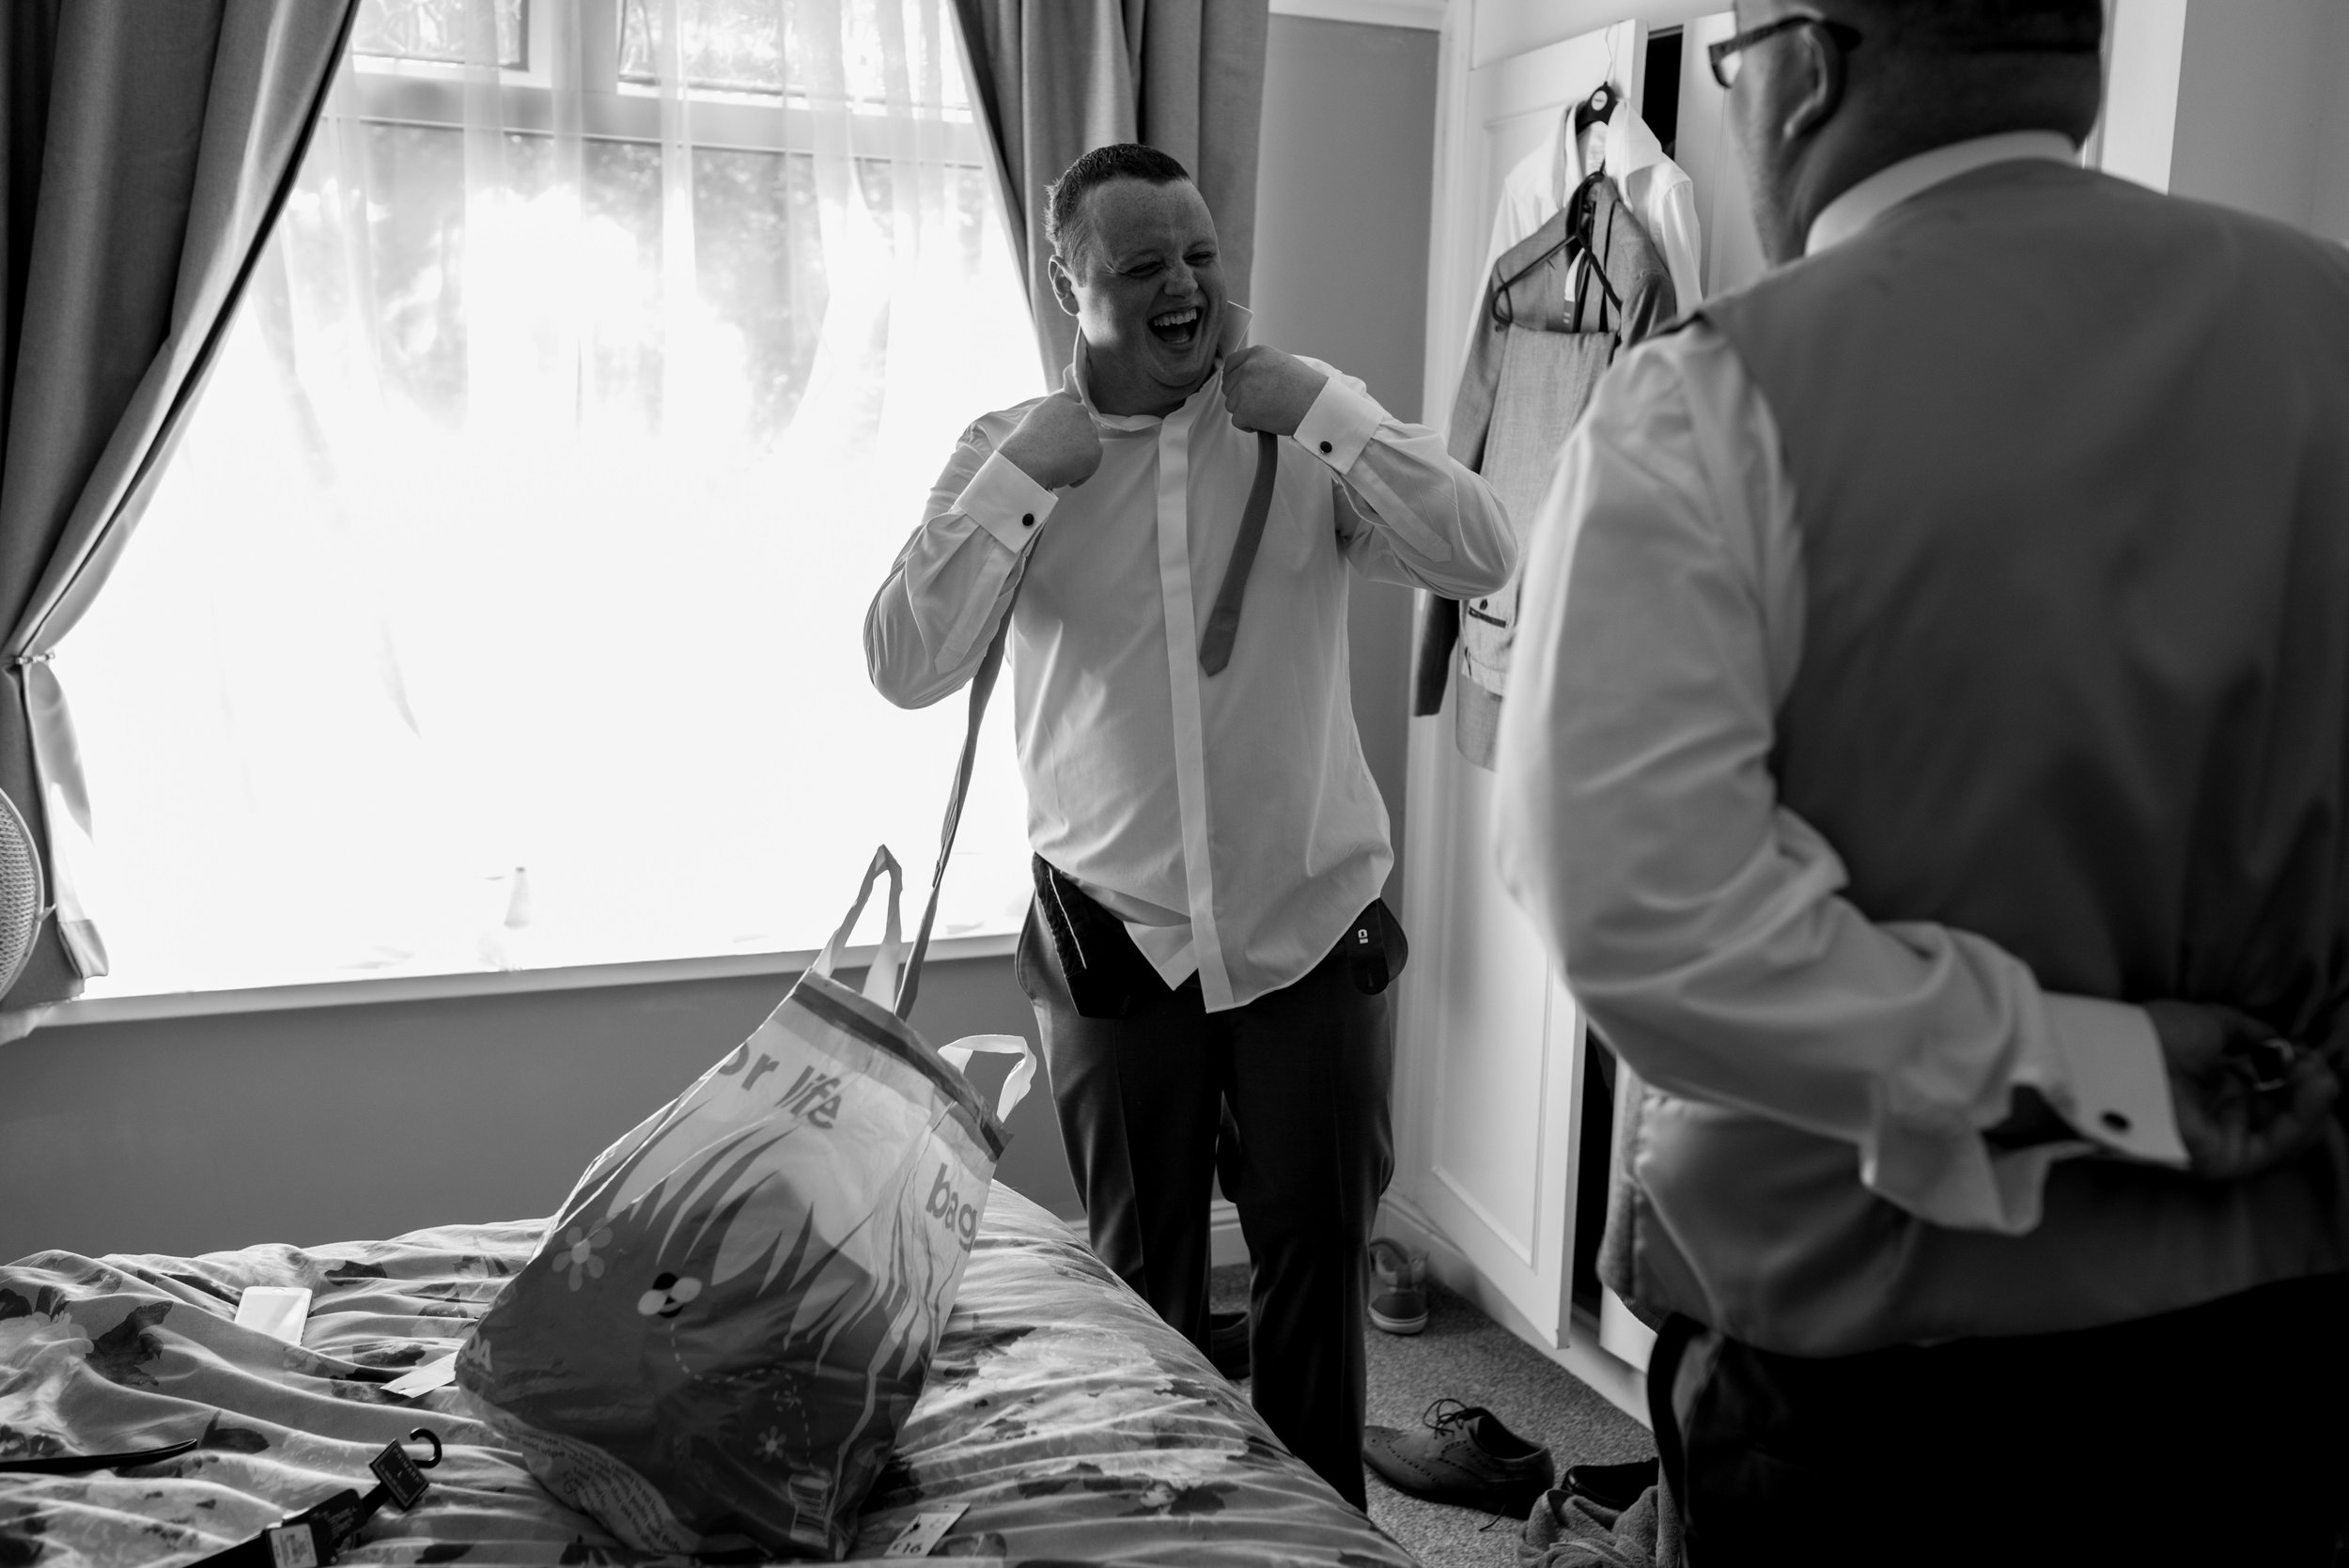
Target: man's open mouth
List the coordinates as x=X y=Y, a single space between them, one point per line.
x=1179 y=328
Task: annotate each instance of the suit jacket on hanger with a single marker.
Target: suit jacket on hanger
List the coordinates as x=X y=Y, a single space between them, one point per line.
x=1556 y=309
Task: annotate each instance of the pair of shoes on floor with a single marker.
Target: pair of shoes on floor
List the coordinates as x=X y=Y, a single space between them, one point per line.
x=1227 y=1343
x=1461 y=1453
x=1398 y=1288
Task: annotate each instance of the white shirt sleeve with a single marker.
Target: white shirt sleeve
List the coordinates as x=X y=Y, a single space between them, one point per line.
x=1699 y=922
x=1407 y=513
x=929 y=625
x=1671 y=223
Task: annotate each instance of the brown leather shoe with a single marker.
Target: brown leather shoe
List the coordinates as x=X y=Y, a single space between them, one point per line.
x=1461 y=1453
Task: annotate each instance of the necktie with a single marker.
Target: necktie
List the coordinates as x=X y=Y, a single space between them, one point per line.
x=1215 y=644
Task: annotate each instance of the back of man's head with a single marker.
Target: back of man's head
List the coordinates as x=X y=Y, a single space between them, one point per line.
x=1937 y=71
x=1889 y=79
x=1065 y=224
x=1989 y=26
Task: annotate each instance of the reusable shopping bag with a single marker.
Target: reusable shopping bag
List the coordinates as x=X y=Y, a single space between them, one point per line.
x=731 y=1315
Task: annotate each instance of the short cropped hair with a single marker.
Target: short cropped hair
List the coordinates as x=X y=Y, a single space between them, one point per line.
x=1065 y=223
x=1989 y=26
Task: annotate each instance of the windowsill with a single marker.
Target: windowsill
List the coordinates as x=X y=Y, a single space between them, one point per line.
x=434 y=987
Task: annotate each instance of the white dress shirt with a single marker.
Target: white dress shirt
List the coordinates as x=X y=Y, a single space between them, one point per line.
x=1230 y=821
x=1700 y=922
x=1657 y=191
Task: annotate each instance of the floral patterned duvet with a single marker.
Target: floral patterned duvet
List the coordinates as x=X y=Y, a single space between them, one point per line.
x=1076 y=1427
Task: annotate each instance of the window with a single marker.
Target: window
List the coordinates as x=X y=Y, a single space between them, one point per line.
x=433 y=31
x=502 y=604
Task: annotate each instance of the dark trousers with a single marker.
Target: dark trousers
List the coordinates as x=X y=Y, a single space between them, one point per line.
x=2216 y=1435
x=1304 y=1073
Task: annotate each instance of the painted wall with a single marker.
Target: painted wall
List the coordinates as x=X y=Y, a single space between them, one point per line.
x=2243 y=105
x=339 y=1123
x=2330 y=214
x=2144 y=50
x=1343 y=189
x=336 y=1124
x=2255 y=87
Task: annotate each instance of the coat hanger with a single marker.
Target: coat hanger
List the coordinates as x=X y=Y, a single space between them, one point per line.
x=1599 y=106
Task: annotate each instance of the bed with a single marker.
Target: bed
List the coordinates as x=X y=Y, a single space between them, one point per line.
x=1076 y=1426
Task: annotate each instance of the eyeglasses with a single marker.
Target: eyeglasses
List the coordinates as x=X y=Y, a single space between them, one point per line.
x=1724 y=56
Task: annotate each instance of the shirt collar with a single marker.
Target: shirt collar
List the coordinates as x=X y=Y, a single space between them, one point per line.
x=1864 y=203
x=1078 y=379
x=1630 y=146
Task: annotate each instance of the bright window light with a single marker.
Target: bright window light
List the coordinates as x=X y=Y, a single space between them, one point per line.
x=502 y=605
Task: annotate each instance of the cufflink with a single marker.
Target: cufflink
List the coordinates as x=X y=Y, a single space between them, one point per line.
x=1325 y=448
x=1027 y=519
x=2267 y=1063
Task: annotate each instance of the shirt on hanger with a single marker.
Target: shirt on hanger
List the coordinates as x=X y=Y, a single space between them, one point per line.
x=1231 y=821
x=1657 y=190
x=1556 y=310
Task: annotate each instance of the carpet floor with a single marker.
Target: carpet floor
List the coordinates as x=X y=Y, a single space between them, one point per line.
x=1466 y=1356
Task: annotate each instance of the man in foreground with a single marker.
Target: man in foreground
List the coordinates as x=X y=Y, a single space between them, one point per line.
x=1209 y=844
x=1933 y=663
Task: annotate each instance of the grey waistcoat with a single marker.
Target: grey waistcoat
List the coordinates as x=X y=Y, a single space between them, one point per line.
x=2071 y=476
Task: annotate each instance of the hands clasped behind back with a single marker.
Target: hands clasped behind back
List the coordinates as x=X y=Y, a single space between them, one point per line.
x=2238 y=1114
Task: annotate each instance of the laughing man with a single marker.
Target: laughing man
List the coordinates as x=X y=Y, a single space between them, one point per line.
x=1209 y=844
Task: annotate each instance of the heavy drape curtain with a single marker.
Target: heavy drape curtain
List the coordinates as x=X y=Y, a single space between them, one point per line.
x=514 y=569
x=148 y=149
x=1057 y=78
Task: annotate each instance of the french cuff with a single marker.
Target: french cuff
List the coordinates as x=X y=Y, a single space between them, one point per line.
x=1941 y=1170
x=2116 y=1088
x=1002 y=500
x=1340 y=423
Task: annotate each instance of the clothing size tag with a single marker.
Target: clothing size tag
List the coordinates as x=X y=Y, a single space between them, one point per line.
x=432 y=1375
x=294 y=1545
x=399 y=1476
x=928 y=1529
x=277 y=1311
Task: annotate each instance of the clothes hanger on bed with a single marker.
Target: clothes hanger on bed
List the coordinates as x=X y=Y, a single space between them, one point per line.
x=80 y=1464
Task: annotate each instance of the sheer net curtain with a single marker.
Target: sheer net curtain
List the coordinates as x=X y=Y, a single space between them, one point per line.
x=501 y=607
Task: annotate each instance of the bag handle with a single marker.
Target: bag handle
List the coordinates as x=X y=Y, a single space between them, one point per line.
x=1022 y=1075
x=883 y=977
x=981 y=687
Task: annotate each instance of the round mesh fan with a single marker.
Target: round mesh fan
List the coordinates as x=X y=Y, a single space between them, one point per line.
x=23 y=895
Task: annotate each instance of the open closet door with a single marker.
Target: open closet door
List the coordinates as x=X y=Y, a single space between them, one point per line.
x=1501 y=1109
x=1491 y=1060
x=1733 y=251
